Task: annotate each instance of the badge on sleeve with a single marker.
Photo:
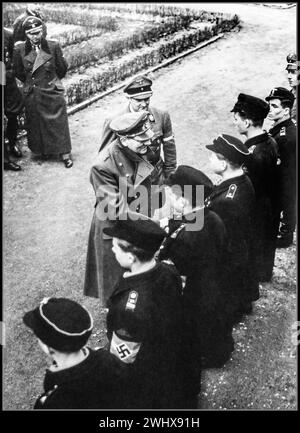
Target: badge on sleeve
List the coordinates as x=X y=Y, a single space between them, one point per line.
x=132 y=300
x=231 y=191
x=282 y=132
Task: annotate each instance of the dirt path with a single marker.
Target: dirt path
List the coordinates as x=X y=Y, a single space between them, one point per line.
x=48 y=209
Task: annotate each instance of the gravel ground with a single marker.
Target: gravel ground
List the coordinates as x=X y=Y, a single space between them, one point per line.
x=48 y=209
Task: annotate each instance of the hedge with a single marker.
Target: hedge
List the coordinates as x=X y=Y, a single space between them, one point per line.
x=93 y=50
x=110 y=73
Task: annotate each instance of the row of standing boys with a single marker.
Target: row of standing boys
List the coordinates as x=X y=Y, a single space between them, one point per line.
x=173 y=294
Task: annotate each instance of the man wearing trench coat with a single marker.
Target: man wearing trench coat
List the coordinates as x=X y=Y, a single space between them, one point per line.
x=41 y=68
x=118 y=177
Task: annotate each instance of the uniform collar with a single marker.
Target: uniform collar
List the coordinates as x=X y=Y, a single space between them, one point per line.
x=130 y=282
x=279 y=125
x=223 y=186
x=69 y=374
x=253 y=141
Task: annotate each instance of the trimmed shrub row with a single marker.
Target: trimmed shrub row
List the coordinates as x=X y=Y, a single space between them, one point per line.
x=77 y=56
x=110 y=73
x=157 y=10
x=79 y=17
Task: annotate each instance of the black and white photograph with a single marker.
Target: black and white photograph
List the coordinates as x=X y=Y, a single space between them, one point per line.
x=149 y=218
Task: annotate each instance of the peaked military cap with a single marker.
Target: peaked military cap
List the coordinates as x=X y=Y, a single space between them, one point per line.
x=139 y=87
x=138 y=230
x=32 y=24
x=60 y=323
x=292 y=62
x=230 y=147
x=282 y=94
x=186 y=175
x=251 y=106
x=131 y=124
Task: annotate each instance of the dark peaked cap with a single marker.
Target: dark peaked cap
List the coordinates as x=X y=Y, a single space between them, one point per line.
x=186 y=175
x=138 y=230
x=255 y=108
x=32 y=24
x=231 y=148
x=139 y=87
x=61 y=323
x=282 y=94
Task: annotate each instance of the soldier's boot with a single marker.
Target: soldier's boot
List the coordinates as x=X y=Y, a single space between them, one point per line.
x=12 y=128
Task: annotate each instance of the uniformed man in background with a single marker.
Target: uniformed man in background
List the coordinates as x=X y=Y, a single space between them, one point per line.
x=281 y=101
x=162 y=151
x=118 y=176
x=293 y=71
x=249 y=113
x=13 y=104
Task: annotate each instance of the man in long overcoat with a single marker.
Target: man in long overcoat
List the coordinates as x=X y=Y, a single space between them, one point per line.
x=13 y=104
x=40 y=65
x=118 y=176
x=162 y=151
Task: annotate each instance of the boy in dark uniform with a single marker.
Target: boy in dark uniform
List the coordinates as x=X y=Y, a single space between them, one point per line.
x=79 y=377
x=281 y=101
x=262 y=168
x=145 y=316
x=233 y=200
x=200 y=255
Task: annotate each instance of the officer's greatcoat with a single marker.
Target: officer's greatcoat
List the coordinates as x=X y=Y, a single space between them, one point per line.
x=116 y=177
x=13 y=102
x=45 y=106
x=162 y=153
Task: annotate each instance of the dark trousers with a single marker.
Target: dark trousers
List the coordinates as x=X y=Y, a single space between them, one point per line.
x=12 y=128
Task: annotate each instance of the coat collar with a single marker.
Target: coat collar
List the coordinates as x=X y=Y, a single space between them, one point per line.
x=273 y=131
x=223 y=186
x=128 y=283
x=143 y=167
x=41 y=59
x=257 y=139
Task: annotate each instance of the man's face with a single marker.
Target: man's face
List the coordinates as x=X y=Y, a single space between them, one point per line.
x=292 y=77
x=35 y=38
x=140 y=143
x=139 y=104
x=124 y=259
x=240 y=124
x=277 y=112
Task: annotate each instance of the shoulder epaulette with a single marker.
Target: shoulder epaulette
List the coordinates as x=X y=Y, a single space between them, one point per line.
x=231 y=191
x=282 y=131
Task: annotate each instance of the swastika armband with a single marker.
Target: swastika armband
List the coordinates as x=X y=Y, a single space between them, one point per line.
x=231 y=191
x=132 y=300
x=125 y=351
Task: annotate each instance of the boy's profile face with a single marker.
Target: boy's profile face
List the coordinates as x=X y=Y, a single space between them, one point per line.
x=217 y=165
x=124 y=259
